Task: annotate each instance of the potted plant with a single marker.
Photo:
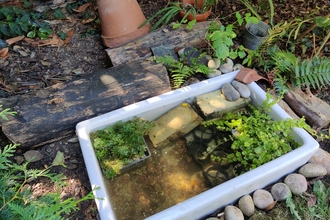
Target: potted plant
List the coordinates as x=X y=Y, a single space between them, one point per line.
x=192 y=10
x=119 y=146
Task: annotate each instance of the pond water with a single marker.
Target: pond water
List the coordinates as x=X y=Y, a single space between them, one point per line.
x=173 y=174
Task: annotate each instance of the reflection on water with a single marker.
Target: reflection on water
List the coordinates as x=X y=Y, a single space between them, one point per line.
x=174 y=173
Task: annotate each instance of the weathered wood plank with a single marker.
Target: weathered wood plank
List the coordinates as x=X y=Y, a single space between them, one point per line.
x=315 y=110
x=54 y=112
x=176 y=38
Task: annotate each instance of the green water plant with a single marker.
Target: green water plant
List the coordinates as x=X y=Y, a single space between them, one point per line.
x=268 y=140
x=120 y=144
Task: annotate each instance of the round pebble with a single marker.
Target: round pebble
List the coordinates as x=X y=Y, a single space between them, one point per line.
x=246 y=205
x=280 y=191
x=230 y=93
x=226 y=68
x=238 y=66
x=296 y=182
x=243 y=89
x=262 y=198
x=233 y=213
x=211 y=64
x=214 y=74
x=311 y=170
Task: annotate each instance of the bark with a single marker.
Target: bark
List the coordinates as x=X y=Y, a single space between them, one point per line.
x=53 y=113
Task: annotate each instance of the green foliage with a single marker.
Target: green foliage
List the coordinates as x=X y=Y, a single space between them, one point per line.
x=267 y=140
x=16 y=22
x=180 y=70
x=247 y=18
x=320 y=210
x=221 y=40
x=121 y=142
x=314 y=72
x=5 y=112
x=18 y=202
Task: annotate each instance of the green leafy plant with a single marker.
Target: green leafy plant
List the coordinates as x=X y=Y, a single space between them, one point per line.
x=16 y=22
x=120 y=144
x=17 y=200
x=180 y=70
x=313 y=72
x=221 y=41
x=267 y=140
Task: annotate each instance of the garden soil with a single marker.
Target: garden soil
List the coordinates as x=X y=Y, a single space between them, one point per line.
x=31 y=67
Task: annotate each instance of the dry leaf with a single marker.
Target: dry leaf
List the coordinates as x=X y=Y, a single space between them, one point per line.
x=54 y=41
x=311 y=202
x=88 y=20
x=14 y=40
x=70 y=34
x=4 y=53
x=82 y=8
x=271 y=205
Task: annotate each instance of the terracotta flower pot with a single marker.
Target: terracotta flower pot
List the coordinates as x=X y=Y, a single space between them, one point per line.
x=120 y=21
x=199 y=17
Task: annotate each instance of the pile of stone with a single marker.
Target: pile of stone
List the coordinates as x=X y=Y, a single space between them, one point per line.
x=295 y=183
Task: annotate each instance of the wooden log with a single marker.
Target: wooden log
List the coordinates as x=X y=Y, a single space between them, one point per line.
x=315 y=110
x=53 y=113
x=176 y=38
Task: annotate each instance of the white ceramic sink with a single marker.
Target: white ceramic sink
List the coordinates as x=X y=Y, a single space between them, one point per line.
x=210 y=200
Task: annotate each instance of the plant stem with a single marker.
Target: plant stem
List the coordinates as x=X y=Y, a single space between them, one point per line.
x=325 y=40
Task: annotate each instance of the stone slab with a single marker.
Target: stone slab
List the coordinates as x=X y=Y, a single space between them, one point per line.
x=214 y=104
x=174 y=124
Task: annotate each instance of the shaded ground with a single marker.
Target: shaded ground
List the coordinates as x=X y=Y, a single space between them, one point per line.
x=30 y=67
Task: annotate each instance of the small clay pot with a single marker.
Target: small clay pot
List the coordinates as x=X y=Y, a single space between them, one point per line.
x=199 y=17
x=120 y=21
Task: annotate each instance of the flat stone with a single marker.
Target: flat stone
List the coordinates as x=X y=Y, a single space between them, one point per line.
x=174 y=124
x=323 y=158
x=214 y=104
x=226 y=68
x=280 y=191
x=230 y=93
x=163 y=50
x=296 y=182
x=311 y=170
x=214 y=74
x=243 y=89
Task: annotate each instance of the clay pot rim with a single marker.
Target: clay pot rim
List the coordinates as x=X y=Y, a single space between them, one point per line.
x=199 y=17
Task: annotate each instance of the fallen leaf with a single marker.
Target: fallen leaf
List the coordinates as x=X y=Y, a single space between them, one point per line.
x=59 y=159
x=14 y=40
x=44 y=63
x=82 y=8
x=70 y=34
x=88 y=20
x=311 y=202
x=54 y=41
x=271 y=205
x=33 y=155
x=4 y=53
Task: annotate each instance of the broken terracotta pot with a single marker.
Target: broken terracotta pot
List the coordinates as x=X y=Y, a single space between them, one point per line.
x=120 y=21
x=247 y=76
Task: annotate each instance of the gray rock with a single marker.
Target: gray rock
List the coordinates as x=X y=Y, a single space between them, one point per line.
x=242 y=89
x=280 y=191
x=262 y=198
x=233 y=213
x=226 y=68
x=214 y=74
x=33 y=155
x=238 y=66
x=311 y=170
x=246 y=205
x=296 y=182
x=230 y=93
